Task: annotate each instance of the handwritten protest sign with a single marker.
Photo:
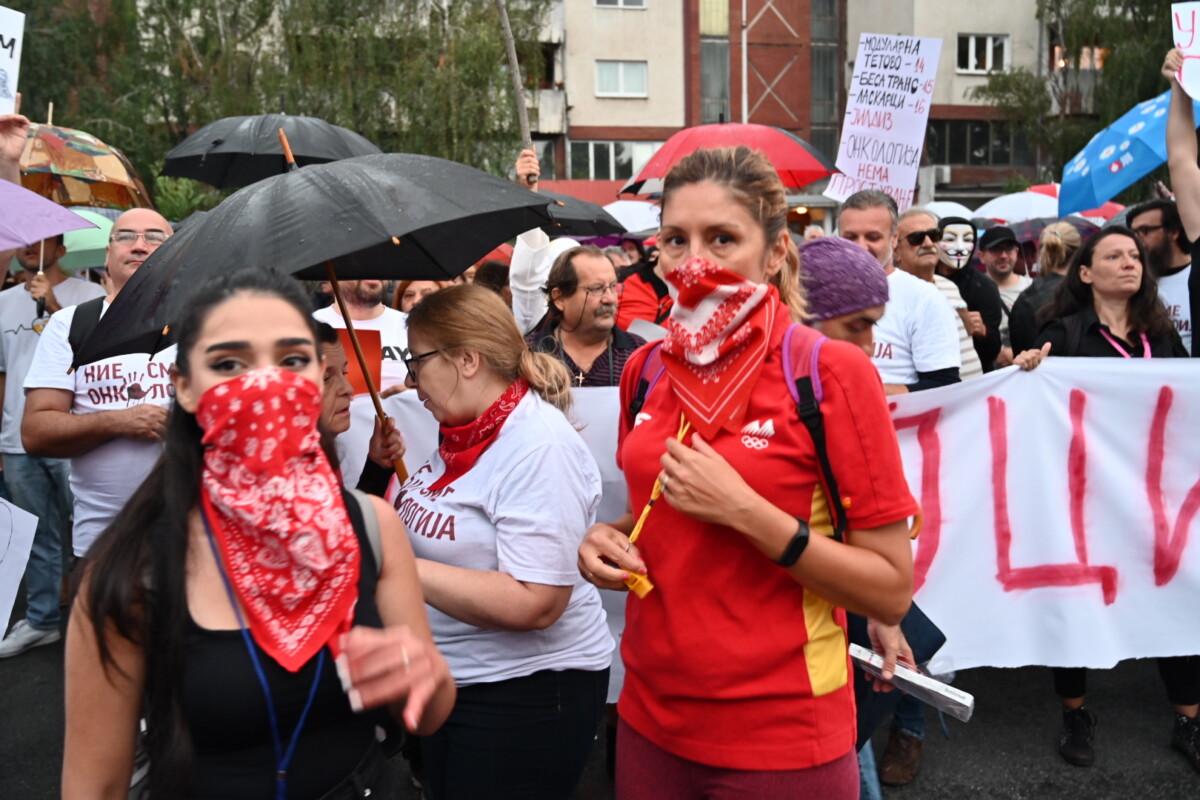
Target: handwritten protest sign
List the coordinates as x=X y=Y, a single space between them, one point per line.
x=1059 y=512
x=16 y=540
x=1184 y=19
x=884 y=130
x=12 y=31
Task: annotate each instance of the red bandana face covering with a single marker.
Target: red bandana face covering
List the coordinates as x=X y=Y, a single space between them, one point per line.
x=462 y=446
x=275 y=509
x=717 y=338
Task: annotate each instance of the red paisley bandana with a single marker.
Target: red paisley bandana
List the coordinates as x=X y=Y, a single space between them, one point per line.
x=717 y=339
x=275 y=508
x=462 y=446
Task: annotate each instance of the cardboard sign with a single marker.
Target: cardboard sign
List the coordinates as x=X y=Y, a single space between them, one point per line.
x=883 y=134
x=372 y=347
x=12 y=31
x=1184 y=23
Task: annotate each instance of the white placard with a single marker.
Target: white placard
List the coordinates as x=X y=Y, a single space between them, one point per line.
x=883 y=134
x=16 y=540
x=12 y=31
x=1185 y=32
x=1060 y=512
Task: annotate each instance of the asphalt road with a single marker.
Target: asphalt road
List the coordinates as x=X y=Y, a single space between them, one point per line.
x=1006 y=751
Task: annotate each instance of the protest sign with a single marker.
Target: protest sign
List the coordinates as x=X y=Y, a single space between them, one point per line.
x=1184 y=18
x=12 y=31
x=1058 y=506
x=883 y=133
x=16 y=540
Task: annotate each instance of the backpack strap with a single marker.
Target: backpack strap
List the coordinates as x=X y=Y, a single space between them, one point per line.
x=371 y=523
x=652 y=364
x=804 y=384
x=87 y=315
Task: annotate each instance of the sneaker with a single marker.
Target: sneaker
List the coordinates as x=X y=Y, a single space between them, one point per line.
x=901 y=759
x=1186 y=739
x=23 y=637
x=1075 y=739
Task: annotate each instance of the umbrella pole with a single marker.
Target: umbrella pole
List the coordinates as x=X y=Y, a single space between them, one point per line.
x=41 y=303
x=398 y=464
x=518 y=87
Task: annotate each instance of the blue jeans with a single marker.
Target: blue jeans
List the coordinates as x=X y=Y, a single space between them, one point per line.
x=868 y=774
x=40 y=486
x=909 y=717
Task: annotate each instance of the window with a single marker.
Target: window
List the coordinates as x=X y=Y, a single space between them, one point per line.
x=610 y=161
x=621 y=79
x=714 y=79
x=982 y=52
x=621 y=3
x=981 y=143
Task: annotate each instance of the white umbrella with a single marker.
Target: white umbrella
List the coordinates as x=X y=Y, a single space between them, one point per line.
x=947 y=208
x=635 y=215
x=1019 y=207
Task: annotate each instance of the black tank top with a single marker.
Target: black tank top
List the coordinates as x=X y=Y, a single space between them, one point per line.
x=226 y=713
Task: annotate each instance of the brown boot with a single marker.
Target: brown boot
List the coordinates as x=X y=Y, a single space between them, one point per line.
x=901 y=759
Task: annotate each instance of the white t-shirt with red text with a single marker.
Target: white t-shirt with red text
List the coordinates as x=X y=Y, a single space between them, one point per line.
x=523 y=510
x=1173 y=291
x=917 y=333
x=103 y=478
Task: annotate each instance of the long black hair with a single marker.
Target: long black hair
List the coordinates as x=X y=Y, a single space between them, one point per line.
x=1146 y=312
x=135 y=581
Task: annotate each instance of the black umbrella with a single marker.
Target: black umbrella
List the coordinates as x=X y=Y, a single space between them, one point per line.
x=239 y=151
x=397 y=216
x=575 y=217
x=1030 y=230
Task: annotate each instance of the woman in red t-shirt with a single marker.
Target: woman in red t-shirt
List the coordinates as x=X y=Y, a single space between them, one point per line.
x=738 y=681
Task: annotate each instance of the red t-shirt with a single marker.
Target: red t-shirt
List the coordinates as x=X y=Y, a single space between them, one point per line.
x=639 y=300
x=729 y=661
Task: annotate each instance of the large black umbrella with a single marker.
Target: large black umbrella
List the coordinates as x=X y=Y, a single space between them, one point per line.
x=575 y=217
x=395 y=216
x=1030 y=230
x=239 y=151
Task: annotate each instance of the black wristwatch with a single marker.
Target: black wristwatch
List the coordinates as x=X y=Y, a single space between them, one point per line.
x=796 y=546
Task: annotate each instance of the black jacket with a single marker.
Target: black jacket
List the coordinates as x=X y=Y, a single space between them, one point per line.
x=1023 y=324
x=980 y=294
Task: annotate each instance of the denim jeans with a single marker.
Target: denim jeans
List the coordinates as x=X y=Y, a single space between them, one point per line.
x=40 y=486
x=868 y=774
x=909 y=717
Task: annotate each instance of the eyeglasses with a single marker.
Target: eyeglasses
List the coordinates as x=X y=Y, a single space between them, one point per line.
x=916 y=237
x=1143 y=230
x=614 y=287
x=154 y=238
x=412 y=362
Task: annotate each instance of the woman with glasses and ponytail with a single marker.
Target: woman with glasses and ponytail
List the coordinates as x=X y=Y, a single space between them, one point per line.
x=737 y=677
x=256 y=614
x=495 y=517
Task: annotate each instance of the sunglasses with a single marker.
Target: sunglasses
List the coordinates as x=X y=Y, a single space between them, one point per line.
x=916 y=237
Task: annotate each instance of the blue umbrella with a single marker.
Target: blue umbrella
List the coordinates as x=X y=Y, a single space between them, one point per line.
x=1118 y=156
x=29 y=218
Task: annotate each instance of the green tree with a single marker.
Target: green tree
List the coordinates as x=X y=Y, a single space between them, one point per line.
x=1132 y=37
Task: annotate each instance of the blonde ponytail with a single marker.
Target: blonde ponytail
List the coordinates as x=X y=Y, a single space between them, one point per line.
x=787 y=280
x=547 y=377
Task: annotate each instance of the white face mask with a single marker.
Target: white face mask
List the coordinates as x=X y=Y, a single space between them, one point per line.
x=957 y=245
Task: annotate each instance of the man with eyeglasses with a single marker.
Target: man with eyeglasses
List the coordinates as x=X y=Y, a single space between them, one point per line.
x=581 y=329
x=109 y=417
x=36 y=484
x=1169 y=257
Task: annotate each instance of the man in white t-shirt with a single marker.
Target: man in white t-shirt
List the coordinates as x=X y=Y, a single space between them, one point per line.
x=36 y=484
x=1168 y=257
x=916 y=342
x=364 y=302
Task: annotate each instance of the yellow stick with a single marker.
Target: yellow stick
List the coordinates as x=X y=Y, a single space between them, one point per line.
x=640 y=584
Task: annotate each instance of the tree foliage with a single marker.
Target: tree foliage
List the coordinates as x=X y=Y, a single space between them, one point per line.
x=425 y=76
x=1133 y=37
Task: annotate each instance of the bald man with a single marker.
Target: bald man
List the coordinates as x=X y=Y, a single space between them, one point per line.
x=108 y=417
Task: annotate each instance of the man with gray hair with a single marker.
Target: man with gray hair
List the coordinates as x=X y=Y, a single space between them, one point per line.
x=916 y=342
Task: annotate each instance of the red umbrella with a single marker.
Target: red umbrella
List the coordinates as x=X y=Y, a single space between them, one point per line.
x=796 y=161
x=1105 y=212
x=1048 y=189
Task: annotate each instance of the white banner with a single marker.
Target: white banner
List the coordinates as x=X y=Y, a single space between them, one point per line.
x=1058 y=506
x=16 y=541
x=883 y=134
x=12 y=31
x=1184 y=18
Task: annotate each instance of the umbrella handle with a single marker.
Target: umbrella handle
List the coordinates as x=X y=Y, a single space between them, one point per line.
x=287 y=151
x=398 y=464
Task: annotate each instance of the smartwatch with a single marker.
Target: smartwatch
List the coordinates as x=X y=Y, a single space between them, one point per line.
x=795 y=548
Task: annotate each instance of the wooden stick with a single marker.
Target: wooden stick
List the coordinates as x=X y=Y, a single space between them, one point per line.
x=398 y=464
x=518 y=86
x=287 y=148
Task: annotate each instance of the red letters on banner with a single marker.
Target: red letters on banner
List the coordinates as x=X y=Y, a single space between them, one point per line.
x=1168 y=546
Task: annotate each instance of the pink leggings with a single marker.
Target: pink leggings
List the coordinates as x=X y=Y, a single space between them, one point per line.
x=647 y=772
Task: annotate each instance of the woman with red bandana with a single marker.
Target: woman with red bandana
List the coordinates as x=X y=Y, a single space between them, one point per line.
x=737 y=676
x=239 y=601
x=496 y=516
